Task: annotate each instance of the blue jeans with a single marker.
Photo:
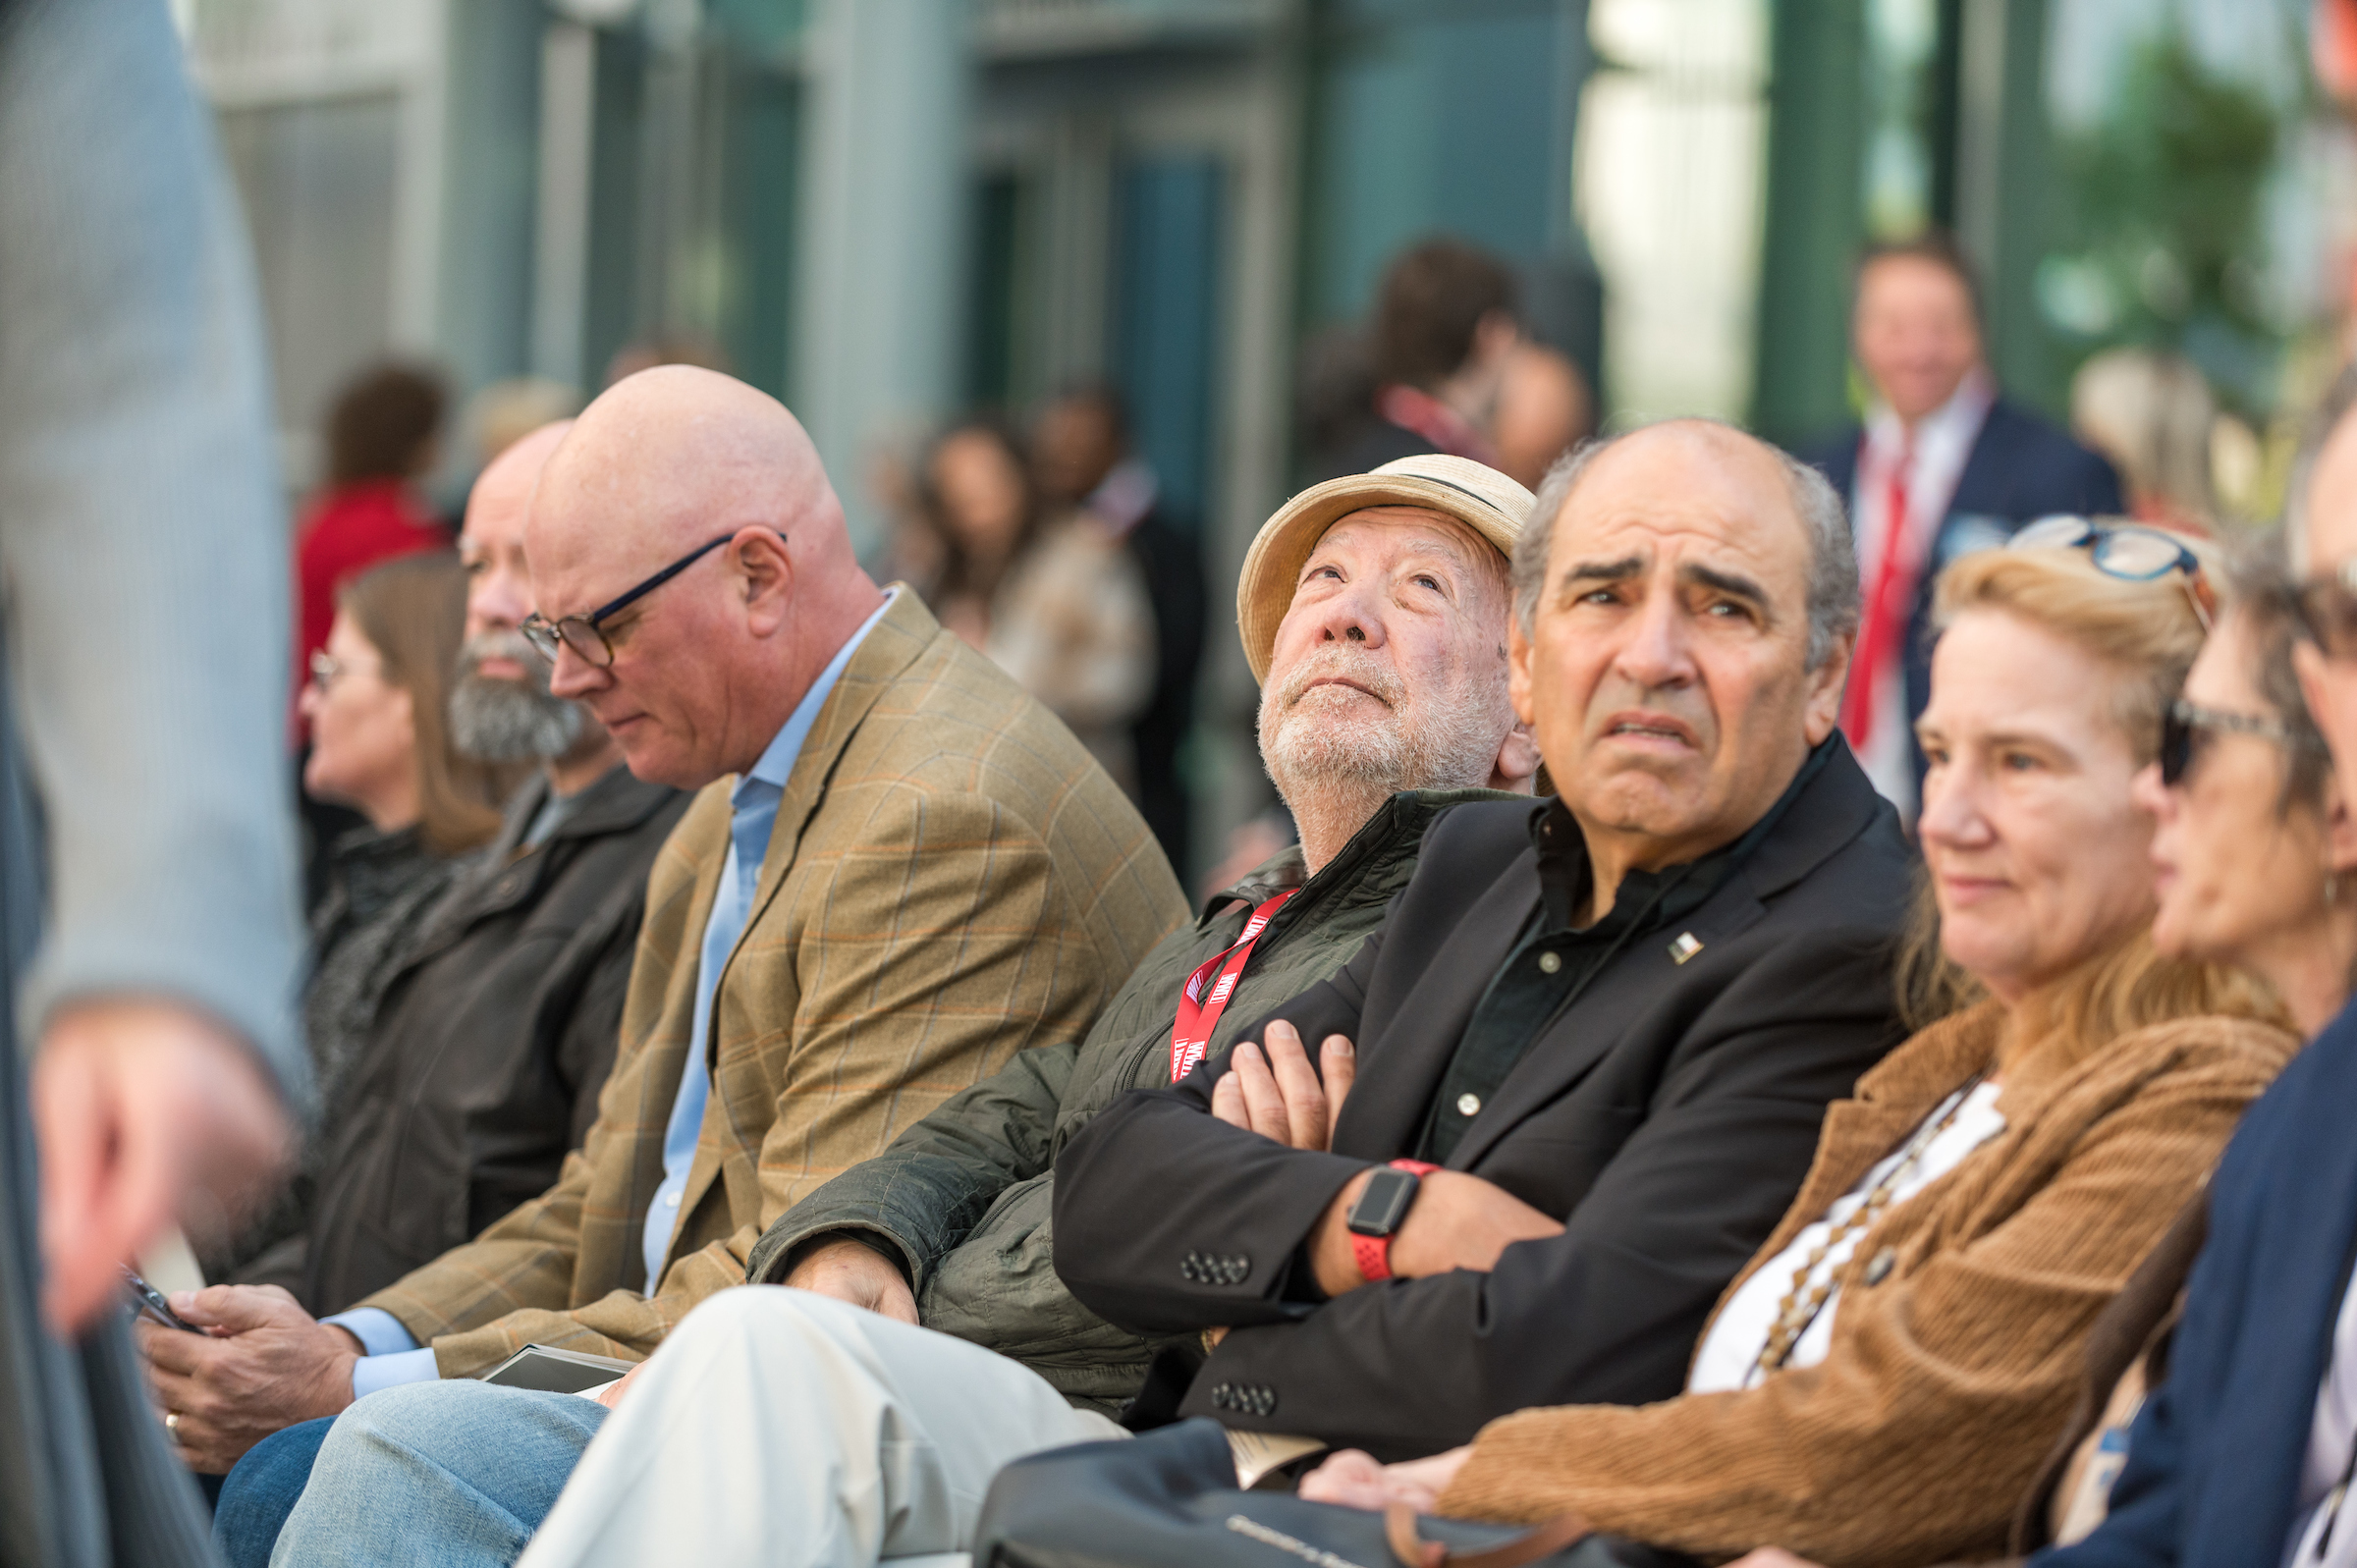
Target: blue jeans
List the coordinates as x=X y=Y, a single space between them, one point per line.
x=438 y=1475
x=261 y=1489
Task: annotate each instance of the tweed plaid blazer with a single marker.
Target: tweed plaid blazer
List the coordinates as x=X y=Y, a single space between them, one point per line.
x=951 y=879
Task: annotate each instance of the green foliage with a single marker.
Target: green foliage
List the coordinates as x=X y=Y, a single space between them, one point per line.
x=2165 y=194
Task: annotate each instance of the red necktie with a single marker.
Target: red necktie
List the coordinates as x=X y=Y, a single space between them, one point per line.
x=1883 y=626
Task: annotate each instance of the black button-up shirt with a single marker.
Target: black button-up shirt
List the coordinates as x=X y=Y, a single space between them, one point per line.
x=1554 y=962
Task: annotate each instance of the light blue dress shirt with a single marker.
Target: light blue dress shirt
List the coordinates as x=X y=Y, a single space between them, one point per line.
x=392 y=1356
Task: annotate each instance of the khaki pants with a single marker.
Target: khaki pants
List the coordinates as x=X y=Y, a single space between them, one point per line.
x=778 y=1427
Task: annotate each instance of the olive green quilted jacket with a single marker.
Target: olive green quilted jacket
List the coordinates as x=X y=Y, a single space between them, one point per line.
x=963 y=1198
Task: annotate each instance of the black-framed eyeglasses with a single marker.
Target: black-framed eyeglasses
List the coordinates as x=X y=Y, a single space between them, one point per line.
x=2188 y=725
x=2129 y=552
x=2327 y=607
x=581 y=633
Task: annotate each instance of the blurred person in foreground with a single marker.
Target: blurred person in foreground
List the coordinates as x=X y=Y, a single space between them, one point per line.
x=2255 y=851
x=1879 y=1384
x=1683 y=1108
x=1375 y=606
x=381 y=744
x=1052 y=595
x=1081 y=453
x=899 y=872
x=1443 y=329
x=1943 y=465
x=146 y=865
x=2243 y=1453
x=2152 y=414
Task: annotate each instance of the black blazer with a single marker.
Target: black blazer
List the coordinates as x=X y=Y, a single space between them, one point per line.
x=2020 y=468
x=1667 y=1117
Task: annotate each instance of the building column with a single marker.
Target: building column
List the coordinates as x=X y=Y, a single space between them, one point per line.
x=1815 y=216
x=882 y=231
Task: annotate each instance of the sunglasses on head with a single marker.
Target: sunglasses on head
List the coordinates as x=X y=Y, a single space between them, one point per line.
x=2129 y=552
x=2187 y=728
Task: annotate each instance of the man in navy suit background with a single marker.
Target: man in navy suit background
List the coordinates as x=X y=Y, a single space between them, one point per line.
x=1958 y=468
x=2245 y=1452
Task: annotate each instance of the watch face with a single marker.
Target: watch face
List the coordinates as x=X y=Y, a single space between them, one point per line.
x=1384 y=1203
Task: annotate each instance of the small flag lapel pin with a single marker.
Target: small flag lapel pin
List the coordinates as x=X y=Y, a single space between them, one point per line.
x=1685 y=946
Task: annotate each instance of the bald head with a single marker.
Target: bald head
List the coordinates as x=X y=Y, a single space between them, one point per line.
x=671 y=456
x=706 y=666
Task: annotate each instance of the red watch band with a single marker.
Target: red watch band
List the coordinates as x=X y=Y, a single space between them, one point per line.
x=1373 y=1254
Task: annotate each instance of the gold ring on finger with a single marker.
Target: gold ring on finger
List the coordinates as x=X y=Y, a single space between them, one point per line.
x=172 y=1424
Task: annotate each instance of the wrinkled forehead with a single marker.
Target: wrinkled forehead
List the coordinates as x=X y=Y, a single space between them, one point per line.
x=1395 y=532
x=1687 y=502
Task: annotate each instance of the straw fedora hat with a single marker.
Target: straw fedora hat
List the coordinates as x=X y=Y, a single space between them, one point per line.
x=1474 y=494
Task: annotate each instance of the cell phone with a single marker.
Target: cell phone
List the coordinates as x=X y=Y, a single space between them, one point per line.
x=149 y=1300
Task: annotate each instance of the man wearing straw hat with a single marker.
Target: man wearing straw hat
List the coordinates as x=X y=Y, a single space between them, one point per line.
x=1373 y=609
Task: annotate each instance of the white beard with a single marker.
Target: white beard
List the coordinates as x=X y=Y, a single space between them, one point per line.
x=1335 y=755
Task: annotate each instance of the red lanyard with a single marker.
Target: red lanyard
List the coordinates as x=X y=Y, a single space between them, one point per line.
x=1205 y=994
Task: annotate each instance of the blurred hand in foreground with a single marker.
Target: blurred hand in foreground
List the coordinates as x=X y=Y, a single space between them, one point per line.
x=145 y=1113
x=1355 y=1479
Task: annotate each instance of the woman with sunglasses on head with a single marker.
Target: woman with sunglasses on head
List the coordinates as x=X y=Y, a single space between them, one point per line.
x=1881 y=1383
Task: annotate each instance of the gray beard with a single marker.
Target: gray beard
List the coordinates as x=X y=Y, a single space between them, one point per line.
x=1339 y=771
x=506 y=720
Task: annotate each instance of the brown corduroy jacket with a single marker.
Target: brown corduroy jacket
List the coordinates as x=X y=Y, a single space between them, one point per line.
x=951 y=878
x=1959 y=1338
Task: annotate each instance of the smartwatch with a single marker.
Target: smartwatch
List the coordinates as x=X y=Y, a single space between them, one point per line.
x=1377 y=1216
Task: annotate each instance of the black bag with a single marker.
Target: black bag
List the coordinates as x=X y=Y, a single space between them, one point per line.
x=1167 y=1499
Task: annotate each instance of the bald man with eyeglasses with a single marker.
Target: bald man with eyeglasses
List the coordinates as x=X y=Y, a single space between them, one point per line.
x=901 y=871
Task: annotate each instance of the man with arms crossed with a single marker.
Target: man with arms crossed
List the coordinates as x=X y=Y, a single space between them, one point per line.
x=1594 y=1039
x=902 y=870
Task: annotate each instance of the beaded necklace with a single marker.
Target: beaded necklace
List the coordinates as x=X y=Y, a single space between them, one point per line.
x=1802 y=1302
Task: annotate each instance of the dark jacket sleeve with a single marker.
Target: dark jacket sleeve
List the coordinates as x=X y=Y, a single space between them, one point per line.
x=926 y=1191
x=1156 y=1174
x=1608 y=1311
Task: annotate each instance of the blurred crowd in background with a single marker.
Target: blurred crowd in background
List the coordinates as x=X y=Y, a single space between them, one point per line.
x=1146 y=244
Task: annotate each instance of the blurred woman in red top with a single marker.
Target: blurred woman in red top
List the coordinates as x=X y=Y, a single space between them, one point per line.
x=381 y=439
